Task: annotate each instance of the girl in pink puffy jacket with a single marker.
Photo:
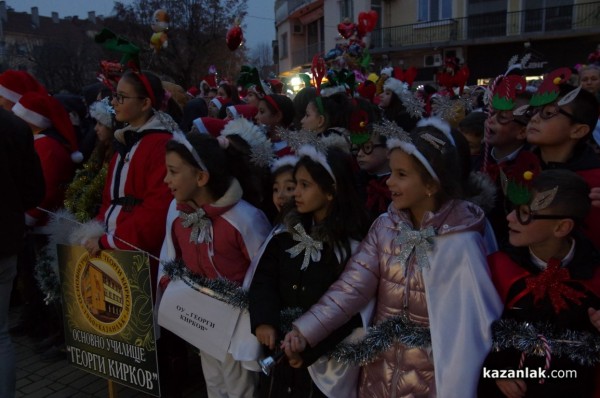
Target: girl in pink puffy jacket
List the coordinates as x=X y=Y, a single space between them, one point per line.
x=424 y=264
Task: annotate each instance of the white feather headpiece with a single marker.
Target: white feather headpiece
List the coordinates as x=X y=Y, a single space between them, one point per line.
x=260 y=146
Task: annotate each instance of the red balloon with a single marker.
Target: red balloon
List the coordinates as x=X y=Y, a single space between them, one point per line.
x=234 y=37
x=346 y=29
x=367 y=21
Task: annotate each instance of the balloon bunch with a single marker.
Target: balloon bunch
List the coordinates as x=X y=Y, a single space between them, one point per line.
x=354 y=52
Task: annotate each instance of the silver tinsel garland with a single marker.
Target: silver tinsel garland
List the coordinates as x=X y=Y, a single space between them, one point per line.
x=582 y=347
x=380 y=338
x=225 y=290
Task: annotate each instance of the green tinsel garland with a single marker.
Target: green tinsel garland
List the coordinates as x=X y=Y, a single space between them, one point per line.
x=84 y=194
x=46 y=277
x=582 y=347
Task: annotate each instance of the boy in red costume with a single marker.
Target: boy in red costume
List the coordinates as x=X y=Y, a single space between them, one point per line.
x=547 y=278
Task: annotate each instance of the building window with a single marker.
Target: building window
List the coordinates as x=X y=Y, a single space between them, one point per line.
x=434 y=10
x=347 y=9
x=283 y=46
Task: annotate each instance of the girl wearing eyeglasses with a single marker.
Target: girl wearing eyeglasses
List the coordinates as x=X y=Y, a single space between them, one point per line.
x=135 y=199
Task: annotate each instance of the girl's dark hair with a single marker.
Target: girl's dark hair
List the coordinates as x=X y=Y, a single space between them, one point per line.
x=347 y=218
x=444 y=162
x=337 y=108
x=231 y=92
x=254 y=179
x=286 y=107
x=396 y=111
x=133 y=78
x=300 y=101
x=214 y=159
x=572 y=196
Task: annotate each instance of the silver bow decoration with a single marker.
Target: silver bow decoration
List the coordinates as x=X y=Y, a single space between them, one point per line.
x=201 y=225
x=311 y=248
x=420 y=241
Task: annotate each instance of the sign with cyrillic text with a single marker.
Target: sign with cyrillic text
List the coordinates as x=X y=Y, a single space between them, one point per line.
x=109 y=325
x=201 y=320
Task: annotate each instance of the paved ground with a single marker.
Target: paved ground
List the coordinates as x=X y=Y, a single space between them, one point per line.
x=37 y=378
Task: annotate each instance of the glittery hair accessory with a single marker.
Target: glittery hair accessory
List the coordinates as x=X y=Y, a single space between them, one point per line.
x=103 y=112
x=316 y=156
x=255 y=137
x=405 y=143
x=298 y=138
x=414 y=106
x=440 y=125
x=287 y=160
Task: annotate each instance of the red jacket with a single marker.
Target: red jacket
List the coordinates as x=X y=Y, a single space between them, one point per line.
x=135 y=198
x=231 y=248
x=58 y=169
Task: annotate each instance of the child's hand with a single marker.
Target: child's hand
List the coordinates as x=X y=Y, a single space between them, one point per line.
x=595 y=196
x=512 y=388
x=294 y=341
x=594 y=317
x=266 y=335
x=294 y=359
x=92 y=246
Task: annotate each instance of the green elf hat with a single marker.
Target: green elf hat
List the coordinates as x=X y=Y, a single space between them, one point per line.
x=130 y=52
x=549 y=90
x=250 y=80
x=506 y=91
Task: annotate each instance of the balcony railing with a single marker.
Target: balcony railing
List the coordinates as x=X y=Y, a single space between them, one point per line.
x=305 y=55
x=283 y=8
x=498 y=24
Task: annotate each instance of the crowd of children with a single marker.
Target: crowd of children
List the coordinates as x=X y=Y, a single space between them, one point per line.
x=391 y=242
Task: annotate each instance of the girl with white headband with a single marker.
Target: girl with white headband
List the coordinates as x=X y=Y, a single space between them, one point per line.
x=424 y=263
x=303 y=257
x=214 y=234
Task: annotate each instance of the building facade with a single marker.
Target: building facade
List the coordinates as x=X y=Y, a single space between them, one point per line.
x=484 y=34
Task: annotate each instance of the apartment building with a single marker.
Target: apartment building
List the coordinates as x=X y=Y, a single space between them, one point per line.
x=484 y=34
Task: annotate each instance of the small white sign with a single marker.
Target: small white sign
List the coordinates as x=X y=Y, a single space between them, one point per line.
x=203 y=321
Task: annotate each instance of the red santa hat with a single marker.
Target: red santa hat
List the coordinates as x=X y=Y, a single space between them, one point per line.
x=211 y=80
x=245 y=110
x=218 y=102
x=193 y=91
x=15 y=83
x=44 y=111
x=210 y=125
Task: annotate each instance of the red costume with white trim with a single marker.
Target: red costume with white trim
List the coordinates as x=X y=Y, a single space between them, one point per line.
x=135 y=198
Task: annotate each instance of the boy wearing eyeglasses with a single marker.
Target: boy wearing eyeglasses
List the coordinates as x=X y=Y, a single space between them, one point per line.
x=547 y=277
x=507 y=148
x=562 y=118
x=372 y=158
